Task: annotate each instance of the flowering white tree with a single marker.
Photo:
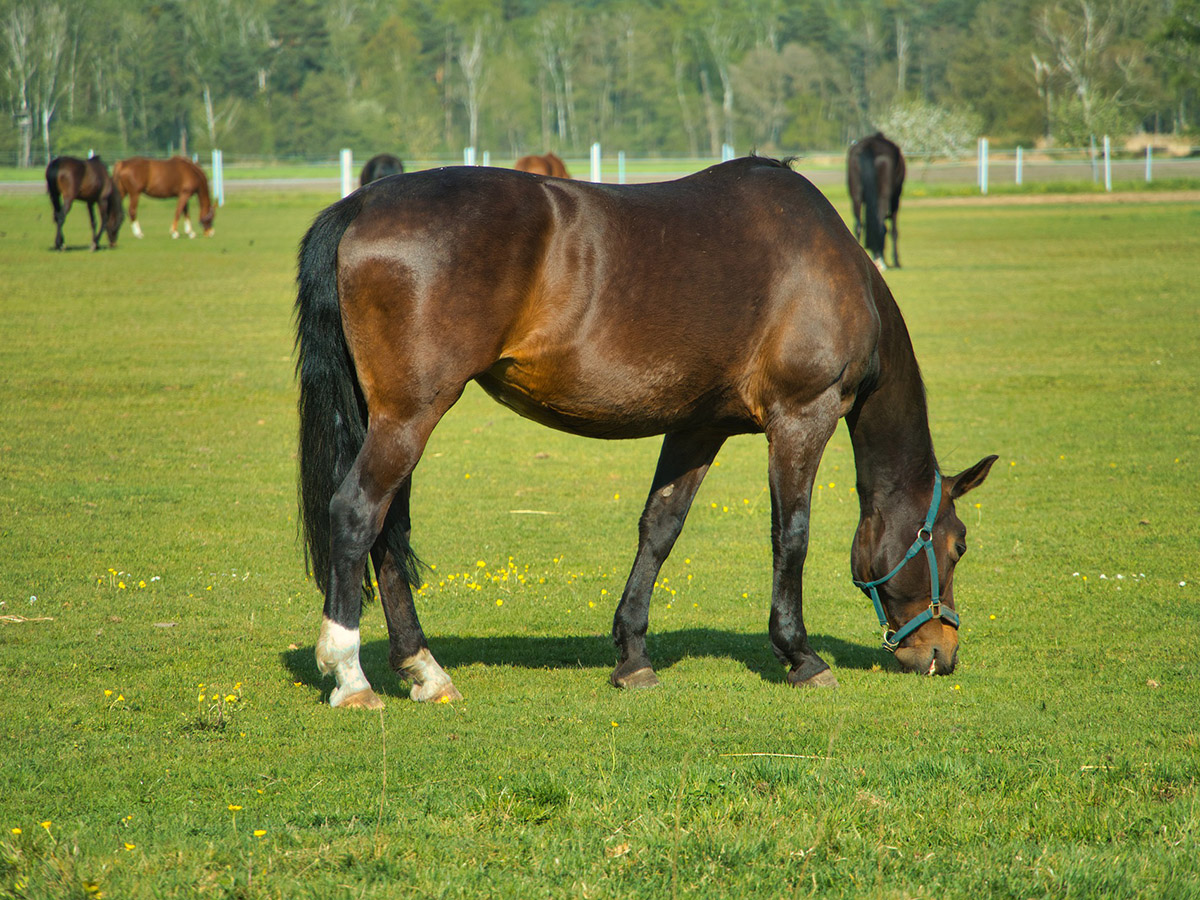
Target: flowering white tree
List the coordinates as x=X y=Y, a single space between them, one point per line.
x=924 y=129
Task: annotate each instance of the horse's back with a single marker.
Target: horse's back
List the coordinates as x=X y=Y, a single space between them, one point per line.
x=605 y=310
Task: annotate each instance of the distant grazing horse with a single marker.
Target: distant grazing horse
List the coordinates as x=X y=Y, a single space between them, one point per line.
x=69 y=179
x=161 y=178
x=875 y=176
x=546 y=164
x=732 y=301
x=380 y=165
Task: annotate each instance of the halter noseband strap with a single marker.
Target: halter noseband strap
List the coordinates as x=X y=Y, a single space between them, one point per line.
x=924 y=540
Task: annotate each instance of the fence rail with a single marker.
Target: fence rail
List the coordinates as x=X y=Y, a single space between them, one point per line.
x=989 y=168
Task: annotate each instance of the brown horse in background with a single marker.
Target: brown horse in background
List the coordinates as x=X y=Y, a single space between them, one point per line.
x=734 y=301
x=546 y=164
x=162 y=178
x=380 y=166
x=69 y=179
x=875 y=177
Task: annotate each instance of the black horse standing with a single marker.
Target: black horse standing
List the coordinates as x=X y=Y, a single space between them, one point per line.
x=69 y=179
x=875 y=176
x=379 y=166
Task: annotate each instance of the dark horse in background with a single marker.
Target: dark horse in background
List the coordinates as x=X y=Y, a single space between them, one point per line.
x=164 y=178
x=732 y=301
x=875 y=176
x=546 y=164
x=379 y=166
x=69 y=179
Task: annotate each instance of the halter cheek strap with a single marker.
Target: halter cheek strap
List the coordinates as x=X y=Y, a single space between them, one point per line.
x=924 y=541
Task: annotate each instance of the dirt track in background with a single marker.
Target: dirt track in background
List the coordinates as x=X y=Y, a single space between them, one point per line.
x=1042 y=199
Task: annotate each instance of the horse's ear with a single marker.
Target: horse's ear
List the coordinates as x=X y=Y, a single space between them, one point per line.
x=971 y=478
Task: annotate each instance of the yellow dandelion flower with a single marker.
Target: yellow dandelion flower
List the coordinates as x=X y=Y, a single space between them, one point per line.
x=141 y=584
x=591 y=605
x=481 y=564
x=259 y=832
x=499 y=602
x=233 y=807
x=121 y=585
x=120 y=696
x=16 y=830
x=46 y=825
x=129 y=846
x=108 y=693
x=230 y=698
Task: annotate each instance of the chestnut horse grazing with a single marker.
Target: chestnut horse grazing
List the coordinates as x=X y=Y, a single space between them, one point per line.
x=162 y=178
x=547 y=164
x=732 y=301
x=875 y=177
x=380 y=165
x=69 y=179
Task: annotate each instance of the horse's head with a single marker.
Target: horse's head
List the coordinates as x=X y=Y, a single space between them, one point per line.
x=113 y=214
x=904 y=557
x=206 y=219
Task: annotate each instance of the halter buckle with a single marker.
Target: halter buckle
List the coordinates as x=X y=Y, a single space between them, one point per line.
x=935 y=608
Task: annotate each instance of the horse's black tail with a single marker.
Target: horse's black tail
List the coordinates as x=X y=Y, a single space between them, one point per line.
x=52 y=188
x=870 y=190
x=333 y=412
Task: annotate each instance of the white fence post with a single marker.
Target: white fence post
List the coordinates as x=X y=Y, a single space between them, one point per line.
x=1148 y=165
x=218 y=168
x=1019 y=163
x=621 y=167
x=347 y=172
x=983 y=165
x=1107 y=164
x=596 y=162
x=487 y=157
x=726 y=152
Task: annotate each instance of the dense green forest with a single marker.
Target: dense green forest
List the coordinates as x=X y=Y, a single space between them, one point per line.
x=425 y=78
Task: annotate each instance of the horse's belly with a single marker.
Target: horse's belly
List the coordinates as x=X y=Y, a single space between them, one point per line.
x=614 y=404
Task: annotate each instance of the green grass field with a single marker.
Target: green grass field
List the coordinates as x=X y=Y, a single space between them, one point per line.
x=162 y=731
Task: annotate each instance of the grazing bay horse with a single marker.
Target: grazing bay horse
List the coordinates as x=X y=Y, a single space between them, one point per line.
x=380 y=165
x=162 y=178
x=732 y=301
x=875 y=176
x=69 y=179
x=546 y=164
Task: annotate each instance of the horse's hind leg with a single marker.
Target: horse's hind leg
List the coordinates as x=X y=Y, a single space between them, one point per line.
x=133 y=222
x=60 y=218
x=408 y=651
x=796 y=441
x=682 y=465
x=356 y=516
x=95 y=231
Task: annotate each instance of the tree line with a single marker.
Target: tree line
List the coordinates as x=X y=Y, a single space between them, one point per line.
x=425 y=78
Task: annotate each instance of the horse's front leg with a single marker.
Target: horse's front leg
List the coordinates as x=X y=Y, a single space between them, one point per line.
x=180 y=210
x=895 y=242
x=797 y=440
x=682 y=465
x=408 y=652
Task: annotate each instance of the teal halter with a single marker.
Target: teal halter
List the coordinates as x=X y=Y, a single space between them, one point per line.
x=892 y=639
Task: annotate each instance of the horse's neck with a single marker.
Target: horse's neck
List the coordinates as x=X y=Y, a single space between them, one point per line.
x=889 y=427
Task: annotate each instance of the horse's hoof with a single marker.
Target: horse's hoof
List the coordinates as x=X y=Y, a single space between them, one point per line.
x=641 y=678
x=823 y=679
x=364 y=699
x=435 y=693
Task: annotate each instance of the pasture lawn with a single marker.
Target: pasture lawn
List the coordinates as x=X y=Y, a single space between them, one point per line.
x=162 y=731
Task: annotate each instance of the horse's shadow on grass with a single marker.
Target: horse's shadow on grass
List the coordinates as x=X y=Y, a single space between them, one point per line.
x=583 y=652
